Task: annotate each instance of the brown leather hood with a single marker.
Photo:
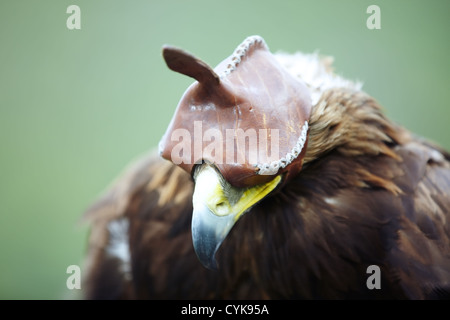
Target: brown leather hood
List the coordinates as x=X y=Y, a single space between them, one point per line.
x=248 y=116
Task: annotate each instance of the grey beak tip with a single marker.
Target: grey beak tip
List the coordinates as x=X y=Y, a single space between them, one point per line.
x=212 y=265
x=206 y=252
x=208 y=232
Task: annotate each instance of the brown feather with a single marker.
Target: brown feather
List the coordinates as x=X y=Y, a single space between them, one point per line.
x=369 y=193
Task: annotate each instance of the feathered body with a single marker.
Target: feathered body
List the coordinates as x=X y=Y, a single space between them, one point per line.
x=369 y=193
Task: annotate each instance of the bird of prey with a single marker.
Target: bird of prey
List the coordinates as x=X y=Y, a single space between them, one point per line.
x=276 y=179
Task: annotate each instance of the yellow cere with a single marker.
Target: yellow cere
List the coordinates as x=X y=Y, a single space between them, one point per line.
x=254 y=195
x=218 y=203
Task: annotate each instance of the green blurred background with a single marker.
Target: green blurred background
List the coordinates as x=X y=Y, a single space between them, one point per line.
x=76 y=106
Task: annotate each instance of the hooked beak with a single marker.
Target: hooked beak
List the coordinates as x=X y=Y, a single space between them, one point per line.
x=217 y=207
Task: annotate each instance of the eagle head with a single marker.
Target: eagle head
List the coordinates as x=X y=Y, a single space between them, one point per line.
x=240 y=130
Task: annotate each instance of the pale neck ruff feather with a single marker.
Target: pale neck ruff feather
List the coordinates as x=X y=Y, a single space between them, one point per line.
x=316 y=72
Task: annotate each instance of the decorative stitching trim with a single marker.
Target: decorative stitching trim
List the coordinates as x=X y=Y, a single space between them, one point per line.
x=241 y=51
x=236 y=58
x=273 y=167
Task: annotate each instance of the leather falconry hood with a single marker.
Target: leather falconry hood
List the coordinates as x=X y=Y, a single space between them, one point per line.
x=248 y=116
